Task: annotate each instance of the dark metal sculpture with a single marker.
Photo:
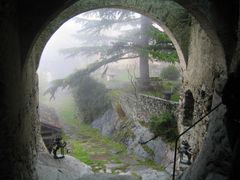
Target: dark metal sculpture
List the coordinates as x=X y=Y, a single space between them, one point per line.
x=58 y=144
x=185 y=150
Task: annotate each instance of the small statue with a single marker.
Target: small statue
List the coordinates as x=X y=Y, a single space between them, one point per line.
x=58 y=144
x=185 y=149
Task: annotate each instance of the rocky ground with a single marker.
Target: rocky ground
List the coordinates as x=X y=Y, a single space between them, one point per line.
x=94 y=156
x=68 y=168
x=114 y=162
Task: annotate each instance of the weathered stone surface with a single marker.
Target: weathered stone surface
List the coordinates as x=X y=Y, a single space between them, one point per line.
x=153 y=175
x=131 y=132
x=199 y=79
x=22 y=22
x=214 y=158
x=67 y=168
x=107 y=177
x=141 y=107
x=48 y=115
x=138 y=110
x=107 y=123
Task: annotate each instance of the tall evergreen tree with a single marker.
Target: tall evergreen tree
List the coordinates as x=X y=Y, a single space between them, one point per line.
x=137 y=38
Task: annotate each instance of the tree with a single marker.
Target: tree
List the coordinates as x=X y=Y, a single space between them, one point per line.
x=164 y=125
x=170 y=73
x=91 y=99
x=141 y=39
x=138 y=38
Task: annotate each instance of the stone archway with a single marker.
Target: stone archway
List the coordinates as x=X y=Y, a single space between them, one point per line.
x=168 y=19
x=23 y=113
x=180 y=26
x=188 y=108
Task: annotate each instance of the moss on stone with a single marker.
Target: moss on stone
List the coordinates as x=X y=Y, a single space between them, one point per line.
x=148 y=150
x=144 y=124
x=125 y=132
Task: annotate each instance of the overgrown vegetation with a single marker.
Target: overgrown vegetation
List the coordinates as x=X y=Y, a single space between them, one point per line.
x=170 y=73
x=94 y=149
x=164 y=125
x=91 y=99
x=165 y=86
x=148 y=150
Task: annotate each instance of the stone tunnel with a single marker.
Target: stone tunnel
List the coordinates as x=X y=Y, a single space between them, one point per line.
x=206 y=36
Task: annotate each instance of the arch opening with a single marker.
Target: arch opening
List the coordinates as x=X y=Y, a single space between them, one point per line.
x=188 y=108
x=180 y=53
x=119 y=107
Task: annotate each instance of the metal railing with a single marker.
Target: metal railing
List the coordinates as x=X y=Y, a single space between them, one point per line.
x=177 y=138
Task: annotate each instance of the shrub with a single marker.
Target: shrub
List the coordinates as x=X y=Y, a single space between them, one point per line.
x=170 y=73
x=91 y=99
x=164 y=125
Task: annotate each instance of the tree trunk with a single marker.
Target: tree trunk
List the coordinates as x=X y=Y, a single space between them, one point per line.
x=144 y=82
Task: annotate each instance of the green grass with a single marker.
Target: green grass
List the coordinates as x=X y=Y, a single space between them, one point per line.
x=175 y=97
x=90 y=146
x=94 y=149
x=115 y=93
x=80 y=153
x=86 y=130
x=148 y=150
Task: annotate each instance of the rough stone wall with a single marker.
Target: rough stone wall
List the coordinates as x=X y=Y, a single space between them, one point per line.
x=138 y=111
x=172 y=17
x=205 y=77
x=156 y=105
x=140 y=108
x=205 y=64
x=214 y=160
x=18 y=102
x=126 y=122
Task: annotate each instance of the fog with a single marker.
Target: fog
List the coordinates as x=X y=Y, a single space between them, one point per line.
x=54 y=64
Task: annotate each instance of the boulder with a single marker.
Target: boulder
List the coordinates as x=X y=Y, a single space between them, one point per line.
x=106 y=123
x=102 y=176
x=151 y=174
x=68 y=168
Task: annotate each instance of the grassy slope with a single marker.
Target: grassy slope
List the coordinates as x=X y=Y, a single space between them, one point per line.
x=89 y=146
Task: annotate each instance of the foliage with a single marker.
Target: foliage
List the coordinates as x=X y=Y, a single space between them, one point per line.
x=162 y=49
x=164 y=125
x=158 y=36
x=164 y=56
x=148 y=150
x=175 y=97
x=140 y=39
x=91 y=98
x=170 y=73
x=125 y=131
x=160 y=86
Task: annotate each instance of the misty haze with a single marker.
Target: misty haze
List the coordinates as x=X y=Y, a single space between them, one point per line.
x=105 y=78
